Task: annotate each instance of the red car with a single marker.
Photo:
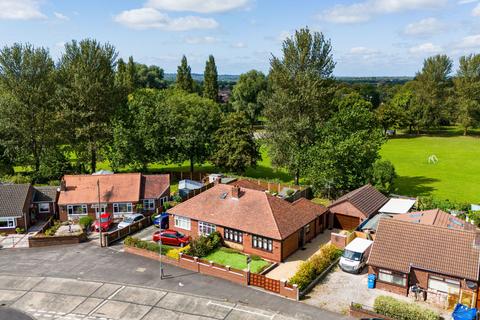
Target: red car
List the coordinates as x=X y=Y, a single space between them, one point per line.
x=106 y=221
x=171 y=238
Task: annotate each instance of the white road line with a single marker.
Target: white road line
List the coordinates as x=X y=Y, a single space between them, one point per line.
x=105 y=301
x=241 y=310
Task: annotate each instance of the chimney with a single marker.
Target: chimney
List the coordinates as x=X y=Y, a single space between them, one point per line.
x=235 y=192
x=217 y=180
x=63 y=185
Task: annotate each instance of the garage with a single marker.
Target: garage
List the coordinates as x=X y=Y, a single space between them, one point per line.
x=344 y=222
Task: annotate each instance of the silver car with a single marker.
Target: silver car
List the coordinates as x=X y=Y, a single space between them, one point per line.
x=129 y=219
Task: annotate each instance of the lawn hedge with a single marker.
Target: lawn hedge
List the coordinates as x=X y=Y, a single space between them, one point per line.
x=313 y=267
x=400 y=310
x=147 y=245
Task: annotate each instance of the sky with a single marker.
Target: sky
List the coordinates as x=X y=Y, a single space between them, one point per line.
x=369 y=37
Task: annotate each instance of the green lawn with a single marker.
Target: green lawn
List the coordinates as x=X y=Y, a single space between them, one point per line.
x=235 y=260
x=455 y=177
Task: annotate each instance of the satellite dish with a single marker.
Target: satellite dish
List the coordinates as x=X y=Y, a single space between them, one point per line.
x=471 y=284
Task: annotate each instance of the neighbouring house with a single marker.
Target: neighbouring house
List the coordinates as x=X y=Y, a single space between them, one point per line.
x=45 y=202
x=120 y=193
x=248 y=184
x=15 y=207
x=441 y=260
x=348 y=211
x=186 y=186
x=249 y=220
x=397 y=206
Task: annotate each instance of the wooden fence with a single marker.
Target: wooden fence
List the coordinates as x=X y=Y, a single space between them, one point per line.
x=193 y=193
x=112 y=236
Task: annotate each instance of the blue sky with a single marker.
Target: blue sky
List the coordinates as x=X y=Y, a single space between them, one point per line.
x=369 y=37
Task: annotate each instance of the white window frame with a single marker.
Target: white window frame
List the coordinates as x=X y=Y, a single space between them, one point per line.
x=444 y=285
x=149 y=204
x=70 y=210
x=43 y=204
x=163 y=200
x=182 y=222
x=103 y=209
x=205 y=228
x=116 y=207
x=390 y=277
x=11 y=223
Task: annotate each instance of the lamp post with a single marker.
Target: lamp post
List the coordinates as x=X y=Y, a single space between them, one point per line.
x=99 y=214
x=160 y=253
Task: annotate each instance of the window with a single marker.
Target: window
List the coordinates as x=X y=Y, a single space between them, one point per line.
x=77 y=210
x=233 y=235
x=122 y=208
x=182 y=222
x=390 y=277
x=205 y=228
x=163 y=200
x=103 y=209
x=149 y=204
x=44 y=207
x=444 y=285
x=262 y=243
x=6 y=223
x=307 y=229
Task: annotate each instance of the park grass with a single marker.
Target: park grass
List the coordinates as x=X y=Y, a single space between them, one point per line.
x=236 y=260
x=456 y=175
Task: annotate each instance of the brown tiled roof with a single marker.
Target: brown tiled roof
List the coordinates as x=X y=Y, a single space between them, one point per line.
x=435 y=217
x=119 y=187
x=307 y=205
x=400 y=245
x=154 y=186
x=248 y=185
x=367 y=199
x=15 y=199
x=254 y=212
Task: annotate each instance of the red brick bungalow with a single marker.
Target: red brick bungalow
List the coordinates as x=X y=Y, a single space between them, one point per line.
x=120 y=194
x=348 y=211
x=250 y=220
x=443 y=261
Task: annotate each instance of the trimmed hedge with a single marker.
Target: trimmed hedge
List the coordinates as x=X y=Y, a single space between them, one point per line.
x=147 y=245
x=396 y=309
x=313 y=267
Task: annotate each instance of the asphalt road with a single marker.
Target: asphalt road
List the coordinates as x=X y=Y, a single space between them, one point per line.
x=89 y=263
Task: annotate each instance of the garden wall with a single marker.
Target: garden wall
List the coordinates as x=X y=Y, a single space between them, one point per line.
x=44 y=241
x=363 y=313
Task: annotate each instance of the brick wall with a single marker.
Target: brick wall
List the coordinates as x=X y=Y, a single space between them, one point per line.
x=42 y=241
x=290 y=245
x=339 y=240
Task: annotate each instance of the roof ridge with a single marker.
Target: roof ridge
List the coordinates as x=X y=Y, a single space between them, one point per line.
x=431 y=226
x=268 y=196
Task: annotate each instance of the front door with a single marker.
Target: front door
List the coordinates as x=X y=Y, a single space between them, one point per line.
x=301 y=238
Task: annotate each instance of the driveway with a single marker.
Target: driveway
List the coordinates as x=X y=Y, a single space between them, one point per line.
x=20 y=240
x=287 y=269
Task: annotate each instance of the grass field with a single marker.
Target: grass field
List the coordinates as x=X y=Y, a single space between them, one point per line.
x=456 y=175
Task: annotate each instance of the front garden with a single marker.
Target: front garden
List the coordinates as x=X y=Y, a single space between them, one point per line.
x=237 y=260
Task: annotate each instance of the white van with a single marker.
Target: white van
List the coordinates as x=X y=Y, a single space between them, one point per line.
x=355 y=255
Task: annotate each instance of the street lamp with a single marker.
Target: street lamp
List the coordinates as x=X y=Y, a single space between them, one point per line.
x=162 y=275
x=99 y=214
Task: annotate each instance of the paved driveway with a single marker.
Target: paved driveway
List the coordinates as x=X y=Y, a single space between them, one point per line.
x=20 y=240
x=287 y=269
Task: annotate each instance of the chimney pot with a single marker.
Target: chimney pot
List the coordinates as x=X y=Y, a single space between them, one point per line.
x=236 y=192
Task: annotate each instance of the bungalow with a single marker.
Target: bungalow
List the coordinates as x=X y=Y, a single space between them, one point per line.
x=15 y=207
x=348 y=211
x=120 y=193
x=250 y=220
x=45 y=202
x=442 y=261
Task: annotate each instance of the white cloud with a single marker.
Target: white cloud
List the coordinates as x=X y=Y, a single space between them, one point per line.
x=424 y=27
x=201 y=6
x=239 y=45
x=61 y=16
x=201 y=40
x=466 y=1
x=426 y=48
x=476 y=11
x=149 y=18
x=362 y=50
x=469 y=42
x=20 y=10
x=366 y=10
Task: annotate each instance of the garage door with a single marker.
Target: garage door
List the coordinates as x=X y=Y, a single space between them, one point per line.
x=345 y=222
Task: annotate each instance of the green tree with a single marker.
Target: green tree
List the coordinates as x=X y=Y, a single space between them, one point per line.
x=432 y=88
x=247 y=94
x=28 y=107
x=193 y=121
x=383 y=176
x=299 y=100
x=6 y=162
x=210 y=83
x=467 y=92
x=184 y=76
x=89 y=96
x=150 y=76
x=236 y=149
x=390 y=115
x=351 y=139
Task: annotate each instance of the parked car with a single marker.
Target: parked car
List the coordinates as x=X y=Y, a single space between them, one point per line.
x=355 y=255
x=161 y=220
x=105 y=222
x=129 y=219
x=171 y=238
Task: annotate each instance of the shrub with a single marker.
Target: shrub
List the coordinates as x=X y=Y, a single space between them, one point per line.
x=20 y=230
x=254 y=257
x=85 y=222
x=147 y=245
x=50 y=232
x=175 y=253
x=167 y=205
x=393 y=308
x=313 y=267
x=203 y=245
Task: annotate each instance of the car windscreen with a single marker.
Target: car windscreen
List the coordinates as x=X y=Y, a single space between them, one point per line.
x=128 y=220
x=103 y=219
x=351 y=255
x=180 y=235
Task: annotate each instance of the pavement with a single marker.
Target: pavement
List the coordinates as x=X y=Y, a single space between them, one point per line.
x=285 y=270
x=87 y=267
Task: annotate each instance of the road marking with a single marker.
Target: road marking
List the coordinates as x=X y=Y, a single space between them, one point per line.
x=241 y=310
x=105 y=301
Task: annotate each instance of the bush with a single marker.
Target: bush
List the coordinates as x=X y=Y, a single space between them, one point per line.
x=254 y=257
x=19 y=230
x=146 y=245
x=313 y=267
x=393 y=308
x=175 y=253
x=203 y=245
x=50 y=232
x=85 y=222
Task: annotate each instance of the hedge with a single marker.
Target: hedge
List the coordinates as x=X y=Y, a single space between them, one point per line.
x=203 y=245
x=147 y=245
x=313 y=267
x=400 y=310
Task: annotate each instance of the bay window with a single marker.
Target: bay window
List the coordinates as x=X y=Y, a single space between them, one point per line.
x=122 y=208
x=205 y=229
x=182 y=222
x=262 y=243
x=233 y=235
x=77 y=210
